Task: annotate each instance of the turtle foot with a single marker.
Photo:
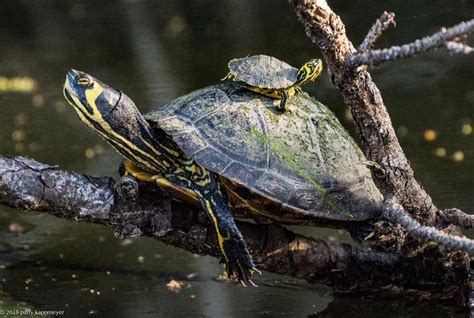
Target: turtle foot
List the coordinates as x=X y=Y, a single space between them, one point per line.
x=238 y=262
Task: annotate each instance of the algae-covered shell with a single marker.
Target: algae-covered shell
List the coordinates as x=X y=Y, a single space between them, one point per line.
x=297 y=167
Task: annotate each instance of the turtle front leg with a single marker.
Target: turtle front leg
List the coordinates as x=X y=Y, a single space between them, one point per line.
x=176 y=192
x=202 y=187
x=285 y=95
x=229 y=77
x=235 y=254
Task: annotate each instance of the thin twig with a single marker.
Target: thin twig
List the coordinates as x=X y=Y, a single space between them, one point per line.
x=382 y=24
x=458 y=217
x=395 y=213
x=438 y=39
x=458 y=48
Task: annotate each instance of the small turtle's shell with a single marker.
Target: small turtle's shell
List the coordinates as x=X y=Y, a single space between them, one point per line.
x=263 y=71
x=299 y=167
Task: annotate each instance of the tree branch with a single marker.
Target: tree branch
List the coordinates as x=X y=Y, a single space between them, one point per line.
x=135 y=210
x=458 y=217
x=394 y=212
x=382 y=24
x=448 y=38
x=458 y=48
x=391 y=169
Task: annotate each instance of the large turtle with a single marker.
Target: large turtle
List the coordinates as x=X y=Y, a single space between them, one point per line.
x=272 y=77
x=220 y=142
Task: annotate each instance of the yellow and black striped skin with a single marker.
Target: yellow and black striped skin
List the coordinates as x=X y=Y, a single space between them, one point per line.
x=308 y=72
x=153 y=157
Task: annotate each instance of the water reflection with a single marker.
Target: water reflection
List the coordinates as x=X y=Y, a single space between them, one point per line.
x=158 y=50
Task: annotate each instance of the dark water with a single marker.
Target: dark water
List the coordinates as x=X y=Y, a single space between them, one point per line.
x=156 y=51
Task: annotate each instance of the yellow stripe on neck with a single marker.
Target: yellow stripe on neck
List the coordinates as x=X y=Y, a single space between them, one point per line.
x=96 y=116
x=91 y=97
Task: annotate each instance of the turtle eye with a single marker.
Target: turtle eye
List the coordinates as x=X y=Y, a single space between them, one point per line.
x=84 y=82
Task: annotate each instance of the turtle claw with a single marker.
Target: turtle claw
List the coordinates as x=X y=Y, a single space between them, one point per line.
x=252 y=283
x=238 y=261
x=249 y=281
x=240 y=270
x=254 y=269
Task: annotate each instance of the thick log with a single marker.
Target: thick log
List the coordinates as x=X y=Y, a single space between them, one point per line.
x=133 y=210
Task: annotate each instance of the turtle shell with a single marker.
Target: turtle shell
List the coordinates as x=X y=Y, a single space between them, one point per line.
x=297 y=167
x=264 y=71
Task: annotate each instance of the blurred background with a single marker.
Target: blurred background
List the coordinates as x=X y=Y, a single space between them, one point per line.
x=156 y=51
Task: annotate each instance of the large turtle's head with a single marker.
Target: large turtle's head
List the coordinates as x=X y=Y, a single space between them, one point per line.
x=111 y=114
x=93 y=101
x=309 y=71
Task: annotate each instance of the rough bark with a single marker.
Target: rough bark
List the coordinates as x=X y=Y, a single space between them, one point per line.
x=392 y=172
x=391 y=169
x=448 y=38
x=382 y=24
x=134 y=210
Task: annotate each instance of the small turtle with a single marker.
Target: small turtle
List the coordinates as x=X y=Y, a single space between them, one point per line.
x=272 y=77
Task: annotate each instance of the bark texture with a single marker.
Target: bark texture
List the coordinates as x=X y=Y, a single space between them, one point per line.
x=448 y=38
x=132 y=210
x=392 y=172
x=391 y=169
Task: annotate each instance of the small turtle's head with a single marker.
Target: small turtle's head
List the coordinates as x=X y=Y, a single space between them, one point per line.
x=309 y=71
x=92 y=100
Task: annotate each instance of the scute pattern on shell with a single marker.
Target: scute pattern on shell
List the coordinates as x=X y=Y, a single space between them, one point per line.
x=217 y=126
x=264 y=71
